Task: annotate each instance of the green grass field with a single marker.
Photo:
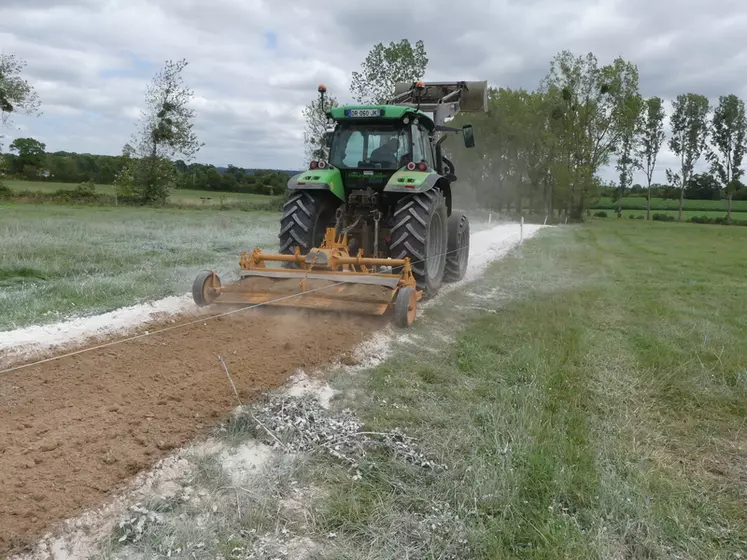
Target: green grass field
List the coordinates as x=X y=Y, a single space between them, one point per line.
x=57 y=260
x=589 y=398
x=658 y=204
x=186 y=197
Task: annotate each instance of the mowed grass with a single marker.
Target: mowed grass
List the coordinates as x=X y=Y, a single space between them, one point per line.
x=658 y=204
x=186 y=197
x=589 y=398
x=57 y=261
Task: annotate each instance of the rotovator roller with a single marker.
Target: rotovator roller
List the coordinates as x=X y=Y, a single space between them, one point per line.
x=369 y=227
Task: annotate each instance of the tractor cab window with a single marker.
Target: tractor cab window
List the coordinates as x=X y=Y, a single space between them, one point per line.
x=364 y=146
x=421 y=146
x=417 y=145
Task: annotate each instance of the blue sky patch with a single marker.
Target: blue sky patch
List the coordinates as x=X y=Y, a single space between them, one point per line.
x=271 y=40
x=136 y=67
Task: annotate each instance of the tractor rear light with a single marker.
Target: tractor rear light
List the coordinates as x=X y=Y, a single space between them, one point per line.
x=322 y=164
x=422 y=166
x=313 y=165
x=411 y=166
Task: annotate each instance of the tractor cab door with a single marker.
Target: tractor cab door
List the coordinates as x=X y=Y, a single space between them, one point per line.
x=422 y=148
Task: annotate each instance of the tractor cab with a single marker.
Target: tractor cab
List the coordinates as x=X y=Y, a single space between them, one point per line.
x=370 y=144
x=380 y=142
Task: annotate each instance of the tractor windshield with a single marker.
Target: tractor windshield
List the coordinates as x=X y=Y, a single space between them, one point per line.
x=370 y=146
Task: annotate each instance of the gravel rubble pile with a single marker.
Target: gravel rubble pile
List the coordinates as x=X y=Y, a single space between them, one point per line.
x=302 y=424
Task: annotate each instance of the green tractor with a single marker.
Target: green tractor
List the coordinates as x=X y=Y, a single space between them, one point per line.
x=385 y=183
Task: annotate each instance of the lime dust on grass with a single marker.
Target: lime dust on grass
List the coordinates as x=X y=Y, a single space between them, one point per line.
x=589 y=396
x=59 y=261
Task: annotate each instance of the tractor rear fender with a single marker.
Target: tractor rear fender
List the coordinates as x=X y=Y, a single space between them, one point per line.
x=404 y=181
x=319 y=179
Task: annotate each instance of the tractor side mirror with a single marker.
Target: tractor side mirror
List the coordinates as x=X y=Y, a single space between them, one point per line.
x=469 y=136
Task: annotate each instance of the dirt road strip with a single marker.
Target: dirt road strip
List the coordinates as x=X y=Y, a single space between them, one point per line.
x=73 y=431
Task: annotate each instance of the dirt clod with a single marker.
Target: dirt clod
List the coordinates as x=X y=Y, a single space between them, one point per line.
x=349 y=360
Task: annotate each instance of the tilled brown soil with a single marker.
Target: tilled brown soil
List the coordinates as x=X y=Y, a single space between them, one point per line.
x=75 y=430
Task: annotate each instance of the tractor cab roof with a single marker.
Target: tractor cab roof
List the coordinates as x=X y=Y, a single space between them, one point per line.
x=373 y=113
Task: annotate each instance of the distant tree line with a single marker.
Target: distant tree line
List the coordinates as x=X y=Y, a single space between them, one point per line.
x=158 y=158
x=231 y=179
x=541 y=151
x=700 y=186
x=29 y=160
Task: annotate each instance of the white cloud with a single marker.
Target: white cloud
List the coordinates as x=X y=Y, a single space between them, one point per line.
x=253 y=64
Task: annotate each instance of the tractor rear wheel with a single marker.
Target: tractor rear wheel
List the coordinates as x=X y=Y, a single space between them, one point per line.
x=419 y=233
x=306 y=216
x=458 y=247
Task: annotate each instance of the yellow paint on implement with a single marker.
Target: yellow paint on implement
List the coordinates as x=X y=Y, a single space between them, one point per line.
x=328 y=278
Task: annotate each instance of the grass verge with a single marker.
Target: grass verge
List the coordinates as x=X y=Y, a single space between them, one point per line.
x=687 y=215
x=185 y=197
x=659 y=204
x=29 y=192
x=591 y=405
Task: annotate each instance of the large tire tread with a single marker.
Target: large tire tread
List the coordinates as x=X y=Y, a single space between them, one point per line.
x=409 y=236
x=305 y=217
x=458 y=254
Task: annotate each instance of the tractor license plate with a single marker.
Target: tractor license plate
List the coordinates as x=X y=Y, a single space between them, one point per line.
x=363 y=112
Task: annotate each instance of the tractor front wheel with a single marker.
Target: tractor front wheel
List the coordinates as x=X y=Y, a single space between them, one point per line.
x=306 y=216
x=419 y=233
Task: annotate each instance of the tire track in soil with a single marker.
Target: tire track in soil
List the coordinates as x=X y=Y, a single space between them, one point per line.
x=74 y=431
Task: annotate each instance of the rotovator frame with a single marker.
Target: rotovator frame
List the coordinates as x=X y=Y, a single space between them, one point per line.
x=375 y=213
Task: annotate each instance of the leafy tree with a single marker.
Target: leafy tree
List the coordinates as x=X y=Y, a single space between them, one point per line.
x=689 y=134
x=124 y=180
x=652 y=137
x=16 y=94
x=315 y=114
x=627 y=159
x=510 y=167
x=729 y=128
x=30 y=153
x=702 y=186
x=384 y=67
x=593 y=106
x=166 y=130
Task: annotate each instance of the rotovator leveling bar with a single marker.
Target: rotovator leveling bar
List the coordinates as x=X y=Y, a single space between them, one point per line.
x=328 y=277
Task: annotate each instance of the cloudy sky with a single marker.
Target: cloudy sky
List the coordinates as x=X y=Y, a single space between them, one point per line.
x=254 y=64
